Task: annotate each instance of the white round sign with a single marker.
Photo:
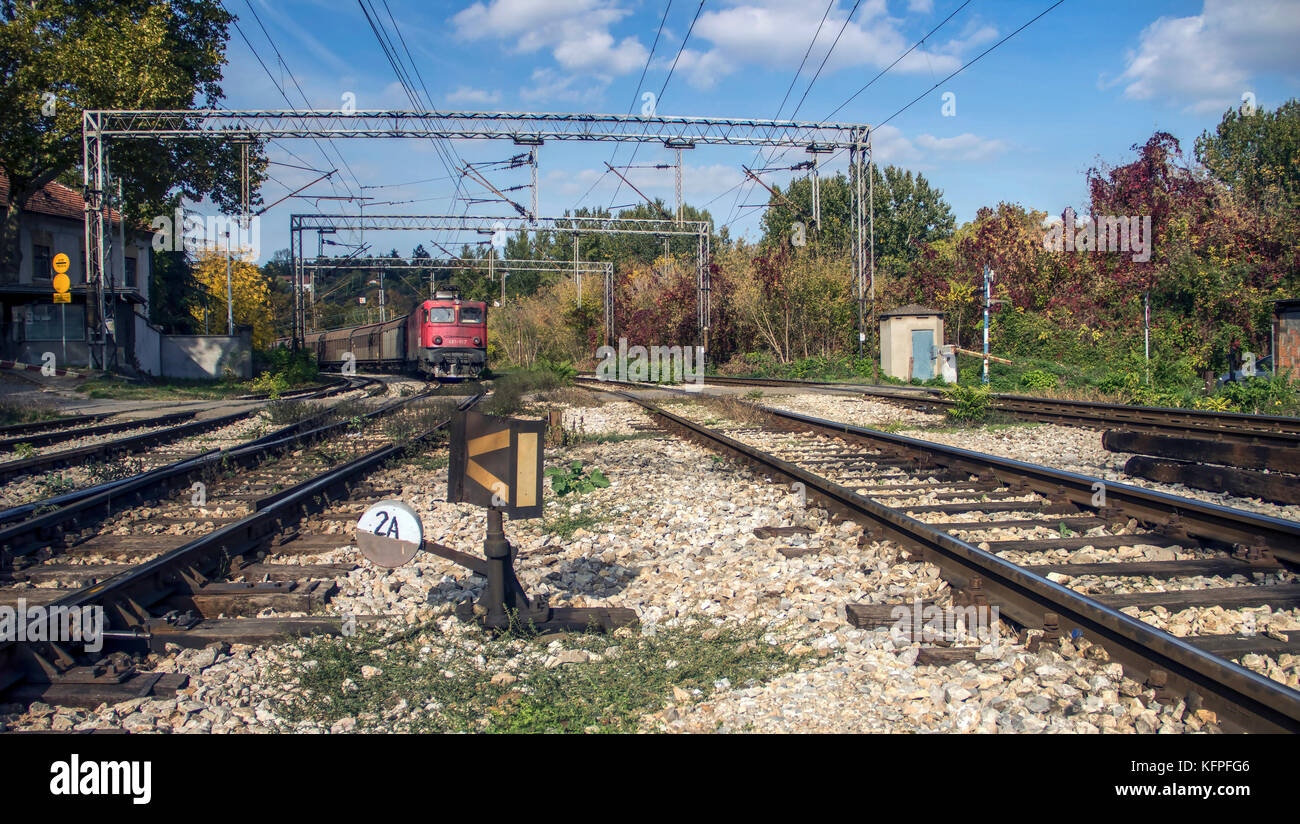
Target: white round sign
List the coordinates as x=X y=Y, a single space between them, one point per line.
x=390 y=534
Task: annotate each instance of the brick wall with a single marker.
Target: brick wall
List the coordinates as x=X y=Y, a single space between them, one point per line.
x=1288 y=341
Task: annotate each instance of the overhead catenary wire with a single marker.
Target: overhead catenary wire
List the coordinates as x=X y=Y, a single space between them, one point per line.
x=664 y=87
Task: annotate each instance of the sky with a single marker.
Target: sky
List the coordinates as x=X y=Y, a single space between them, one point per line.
x=1023 y=124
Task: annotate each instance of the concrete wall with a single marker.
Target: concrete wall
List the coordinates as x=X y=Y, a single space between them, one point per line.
x=896 y=342
x=203 y=357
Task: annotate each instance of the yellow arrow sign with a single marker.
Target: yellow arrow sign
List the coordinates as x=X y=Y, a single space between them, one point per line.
x=497 y=462
x=482 y=445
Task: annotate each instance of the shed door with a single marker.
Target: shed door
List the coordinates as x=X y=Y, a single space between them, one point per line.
x=923 y=354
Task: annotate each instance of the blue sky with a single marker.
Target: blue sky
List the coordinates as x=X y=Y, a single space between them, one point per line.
x=1076 y=88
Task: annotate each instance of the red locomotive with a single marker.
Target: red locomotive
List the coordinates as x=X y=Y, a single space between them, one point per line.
x=443 y=338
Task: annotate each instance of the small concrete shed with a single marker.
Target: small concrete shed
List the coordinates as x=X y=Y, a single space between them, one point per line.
x=910 y=337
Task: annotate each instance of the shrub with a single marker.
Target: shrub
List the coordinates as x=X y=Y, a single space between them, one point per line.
x=1038 y=379
x=286 y=411
x=970 y=403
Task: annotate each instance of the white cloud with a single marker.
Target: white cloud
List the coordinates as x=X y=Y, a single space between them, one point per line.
x=575 y=31
x=469 y=94
x=777 y=33
x=890 y=145
x=1205 y=62
x=548 y=84
x=961 y=147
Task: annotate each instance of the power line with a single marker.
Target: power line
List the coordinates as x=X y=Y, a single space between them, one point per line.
x=772 y=155
x=294 y=79
x=969 y=64
x=663 y=88
x=895 y=63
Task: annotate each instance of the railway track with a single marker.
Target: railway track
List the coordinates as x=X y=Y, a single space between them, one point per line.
x=187 y=574
x=158 y=431
x=1231 y=427
x=998 y=530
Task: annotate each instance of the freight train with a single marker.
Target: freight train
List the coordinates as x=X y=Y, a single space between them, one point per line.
x=444 y=338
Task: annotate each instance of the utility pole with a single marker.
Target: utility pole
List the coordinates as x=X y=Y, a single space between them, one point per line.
x=1146 y=331
x=230 y=294
x=988 y=280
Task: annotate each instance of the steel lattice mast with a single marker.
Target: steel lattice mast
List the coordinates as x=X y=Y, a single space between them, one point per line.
x=101 y=126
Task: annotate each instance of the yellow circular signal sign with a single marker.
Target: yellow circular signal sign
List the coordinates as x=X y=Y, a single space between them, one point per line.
x=61 y=263
x=61 y=283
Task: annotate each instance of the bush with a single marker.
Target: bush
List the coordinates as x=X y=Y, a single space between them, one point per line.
x=283 y=368
x=1271 y=395
x=286 y=411
x=1038 y=379
x=970 y=403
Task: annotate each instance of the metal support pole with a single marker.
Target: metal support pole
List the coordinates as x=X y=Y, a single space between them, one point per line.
x=532 y=158
x=245 y=190
x=609 y=303
x=230 y=294
x=577 y=273
x=988 y=280
x=679 y=185
x=871 y=217
x=816 y=191
x=1146 y=331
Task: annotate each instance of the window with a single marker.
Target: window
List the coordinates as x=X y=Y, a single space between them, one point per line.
x=46 y=322
x=130 y=273
x=440 y=314
x=42 y=262
x=471 y=314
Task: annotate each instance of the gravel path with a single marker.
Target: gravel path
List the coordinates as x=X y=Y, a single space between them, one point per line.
x=673 y=538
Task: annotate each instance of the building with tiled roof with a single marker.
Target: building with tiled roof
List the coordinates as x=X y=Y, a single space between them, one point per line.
x=31 y=324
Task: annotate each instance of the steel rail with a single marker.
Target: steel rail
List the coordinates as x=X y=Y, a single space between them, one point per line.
x=21 y=538
x=1242 y=697
x=54 y=423
x=47 y=438
x=127 y=595
x=1212 y=521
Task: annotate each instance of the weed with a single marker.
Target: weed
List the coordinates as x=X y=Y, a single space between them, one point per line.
x=24 y=450
x=284 y=411
x=572 y=479
x=102 y=473
x=565 y=525
x=447 y=680
x=970 y=403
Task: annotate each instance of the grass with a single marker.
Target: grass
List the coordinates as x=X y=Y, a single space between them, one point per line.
x=447 y=680
x=32 y=411
x=565 y=525
x=417 y=419
x=576 y=438
x=117 y=388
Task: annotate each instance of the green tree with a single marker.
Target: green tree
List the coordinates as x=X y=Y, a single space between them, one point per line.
x=59 y=57
x=1257 y=155
x=909 y=213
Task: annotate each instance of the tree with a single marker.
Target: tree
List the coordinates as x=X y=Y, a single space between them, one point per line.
x=909 y=213
x=251 y=296
x=59 y=57
x=1257 y=154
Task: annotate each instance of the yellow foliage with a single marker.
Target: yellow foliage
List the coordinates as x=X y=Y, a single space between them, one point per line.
x=251 y=296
